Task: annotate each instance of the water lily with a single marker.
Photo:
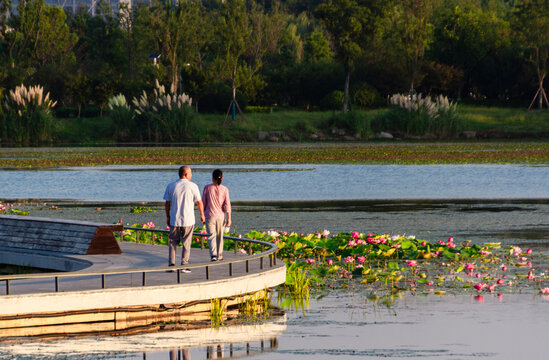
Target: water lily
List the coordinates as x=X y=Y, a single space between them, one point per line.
x=479 y=286
x=361 y=259
x=528 y=251
x=349 y=259
x=469 y=267
x=411 y=263
x=329 y=262
x=310 y=261
x=544 y=291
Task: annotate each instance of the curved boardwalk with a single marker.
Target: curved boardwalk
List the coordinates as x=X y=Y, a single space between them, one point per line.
x=118 y=302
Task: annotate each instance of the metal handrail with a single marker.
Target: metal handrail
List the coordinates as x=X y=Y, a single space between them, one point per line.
x=270 y=252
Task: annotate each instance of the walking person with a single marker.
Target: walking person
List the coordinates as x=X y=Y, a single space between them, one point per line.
x=181 y=196
x=216 y=204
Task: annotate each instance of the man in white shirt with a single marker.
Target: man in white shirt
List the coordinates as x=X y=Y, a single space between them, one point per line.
x=180 y=196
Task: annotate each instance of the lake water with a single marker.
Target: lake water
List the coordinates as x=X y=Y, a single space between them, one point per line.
x=343 y=325
x=340 y=326
x=286 y=182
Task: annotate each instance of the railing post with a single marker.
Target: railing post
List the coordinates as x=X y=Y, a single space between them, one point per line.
x=144 y=278
x=7 y=286
x=261 y=263
x=247 y=266
x=57 y=284
x=102 y=281
x=274 y=257
x=207 y=272
x=231 y=269
x=271 y=260
x=178 y=276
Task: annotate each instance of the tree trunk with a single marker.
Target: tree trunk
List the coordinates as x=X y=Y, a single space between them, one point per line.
x=346 y=89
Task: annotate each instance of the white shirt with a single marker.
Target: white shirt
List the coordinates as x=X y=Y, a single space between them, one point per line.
x=182 y=194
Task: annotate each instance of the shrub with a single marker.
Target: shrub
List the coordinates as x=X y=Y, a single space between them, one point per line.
x=353 y=121
x=122 y=117
x=167 y=115
x=420 y=116
x=366 y=96
x=27 y=117
x=333 y=101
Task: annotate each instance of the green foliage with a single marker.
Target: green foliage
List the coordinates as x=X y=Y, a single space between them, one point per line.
x=357 y=123
x=420 y=117
x=26 y=118
x=333 y=101
x=366 y=96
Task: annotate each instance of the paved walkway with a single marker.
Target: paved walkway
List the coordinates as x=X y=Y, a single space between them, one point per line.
x=142 y=256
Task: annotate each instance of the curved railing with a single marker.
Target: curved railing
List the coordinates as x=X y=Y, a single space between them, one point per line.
x=268 y=250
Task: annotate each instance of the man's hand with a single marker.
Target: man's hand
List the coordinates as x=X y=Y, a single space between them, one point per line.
x=202 y=218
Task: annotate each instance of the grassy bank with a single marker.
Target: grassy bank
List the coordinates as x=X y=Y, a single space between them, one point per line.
x=303 y=126
x=360 y=153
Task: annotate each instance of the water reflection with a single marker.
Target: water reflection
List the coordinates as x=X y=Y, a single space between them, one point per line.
x=236 y=341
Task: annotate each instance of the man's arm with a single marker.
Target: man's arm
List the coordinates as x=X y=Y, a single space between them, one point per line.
x=167 y=207
x=201 y=209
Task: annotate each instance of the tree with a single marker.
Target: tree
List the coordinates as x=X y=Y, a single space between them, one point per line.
x=244 y=36
x=531 y=23
x=409 y=30
x=350 y=25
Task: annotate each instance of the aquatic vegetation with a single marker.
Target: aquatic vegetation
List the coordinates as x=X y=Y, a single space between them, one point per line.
x=393 y=263
x=8 y=209
x=141 y=209
x=367 y=153
x=217 y=309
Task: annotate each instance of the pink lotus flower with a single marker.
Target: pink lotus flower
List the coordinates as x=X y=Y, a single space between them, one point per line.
x=370 y=234
x=450 y=239
x=412 y=263
x=361 y=259
x=310 y=261
x=382 y=240
x=397 y=246
x=355 y=235
x=516 y=251
x=470 y=267
x=500 y=281
x=529 y=264
x=351 y=243
x=484 y=253
x=530 y=275
x=544 y=291
x=430 y=283
x=451 y=245
x=491 y=288
x=360 y=242
x=423 y=243
x=329 y=261
x=349 y=259
x=528 y=251
x=479 y=286
x=503 y=268
x=477 y=275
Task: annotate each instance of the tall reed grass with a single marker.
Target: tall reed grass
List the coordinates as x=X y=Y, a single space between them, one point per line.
x=26 y=117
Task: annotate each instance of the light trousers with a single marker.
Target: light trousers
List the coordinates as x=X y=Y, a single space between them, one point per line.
x=215 y=239
x=183 y=235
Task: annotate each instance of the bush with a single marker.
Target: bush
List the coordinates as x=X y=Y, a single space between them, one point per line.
x=27 y=117
x=333 y=101
x=366 y=96
x=355 y=122
x=122 y=117
x=420 y=117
